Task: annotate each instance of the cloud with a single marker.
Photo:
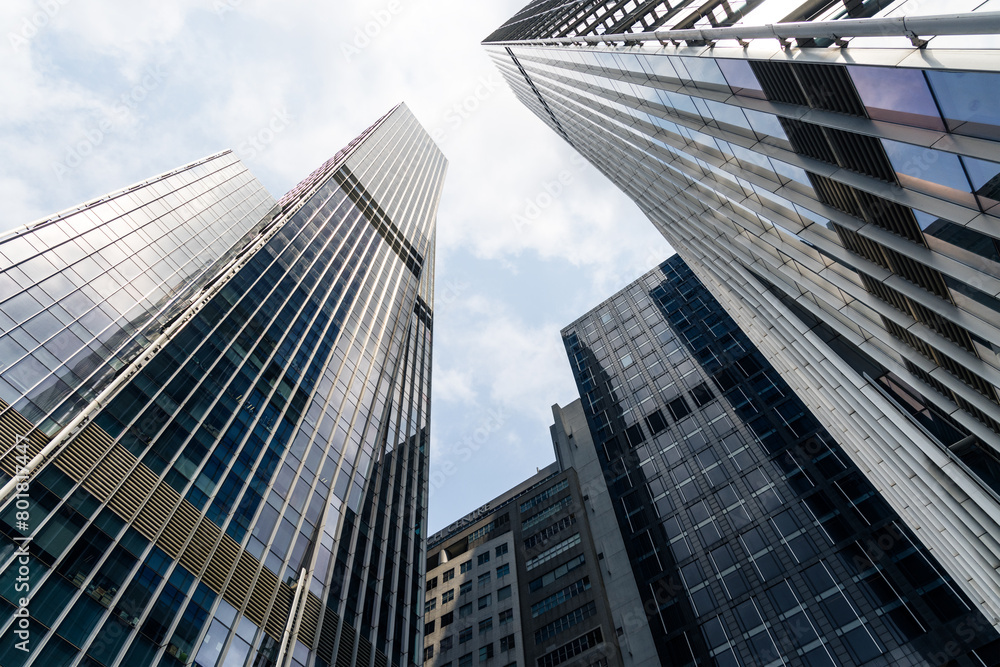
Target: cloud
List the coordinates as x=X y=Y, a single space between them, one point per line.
x=181 y=80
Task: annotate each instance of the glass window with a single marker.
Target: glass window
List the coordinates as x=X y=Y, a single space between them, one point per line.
x=862 y=646
x=740 y=77
x=897 y=95
x=985 y=178
x=465 y=588
x=483 y=558
x=500 y=550
x=448 y=596
x=465 y=610
x=503 y=593
x=485 y=601
x=935 y=172
x=465 y=635
x=660 y=66
x=466 y=566
x=767 y=125
x=969 y=101
x=703 y=72
x=448 y=575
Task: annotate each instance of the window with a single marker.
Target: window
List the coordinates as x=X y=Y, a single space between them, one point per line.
x=432 y=583
x=500 y=550
x=446 y=643
x=560 y=571
x=503 y=570
x=485 y=625
x=507 y=643
x=486 y=652
x=702 y=395
x=429 y=652
x=573 y=648
x=484 y=580
x=430 y=605
x=447 y=619
x=506 y=616
x=448 y=595
x=448 y=575
x=429 y=627
x=483 y=558
x=565 y=622
x=466 y=566
x=465 y=660
x=465 y=588
x=679 y=408
x=503 y=593
x=557 y=598
x=552 y=552
x=542 y=497
x=484 y=601
x=465 y=635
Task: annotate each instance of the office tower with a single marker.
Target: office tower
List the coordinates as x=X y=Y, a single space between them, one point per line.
x=752 y=538
x=829 y=170
x=216 y=411
x=518 y=582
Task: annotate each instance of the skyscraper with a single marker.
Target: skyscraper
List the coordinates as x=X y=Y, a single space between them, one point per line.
x=216 y=412
x=752 y=538
x=829 y=171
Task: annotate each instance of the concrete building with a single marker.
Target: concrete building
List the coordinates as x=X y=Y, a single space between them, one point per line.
x=518 y=582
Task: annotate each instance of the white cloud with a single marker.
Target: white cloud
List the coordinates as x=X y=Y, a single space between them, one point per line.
x=228 y=66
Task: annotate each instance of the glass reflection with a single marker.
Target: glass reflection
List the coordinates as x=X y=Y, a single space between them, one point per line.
x=741 y=78
x=985 y=178
x=897 y=95
x=969 y=101
x=935 y=172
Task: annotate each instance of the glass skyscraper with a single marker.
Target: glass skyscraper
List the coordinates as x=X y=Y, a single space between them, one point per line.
x=215 y=413
x=830 y=171
x=752 y=538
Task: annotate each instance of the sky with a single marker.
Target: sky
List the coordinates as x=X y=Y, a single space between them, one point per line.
x=101 y=94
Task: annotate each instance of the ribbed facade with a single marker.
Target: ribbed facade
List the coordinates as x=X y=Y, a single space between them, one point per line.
x=233 y=469
x=836 y=190
x=752 y=538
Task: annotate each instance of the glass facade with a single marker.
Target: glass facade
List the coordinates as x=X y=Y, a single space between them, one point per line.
x=837 y=194
x=753 y=538
x=252 y=486
x=86 y=291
